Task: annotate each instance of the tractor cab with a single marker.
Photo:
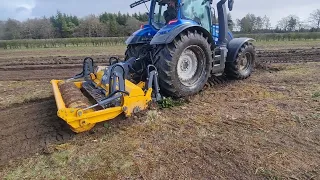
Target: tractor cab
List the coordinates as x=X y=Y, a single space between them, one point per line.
x=164 y=12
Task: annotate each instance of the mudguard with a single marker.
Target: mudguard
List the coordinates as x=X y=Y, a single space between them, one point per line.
x=167 y=34
x=142 y=35
x=234 y=46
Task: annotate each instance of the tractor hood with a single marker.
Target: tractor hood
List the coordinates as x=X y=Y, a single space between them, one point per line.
x=143 y=35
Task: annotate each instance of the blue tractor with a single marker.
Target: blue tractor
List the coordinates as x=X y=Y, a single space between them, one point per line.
x=186 y=45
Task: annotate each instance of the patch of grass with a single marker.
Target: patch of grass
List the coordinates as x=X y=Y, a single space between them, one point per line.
x=316 y=94
x=268 y=174
x=287 y=44
x=170 y=102
x=152 y=115
x=60 y=159
x=20 y=92
x=63 y=51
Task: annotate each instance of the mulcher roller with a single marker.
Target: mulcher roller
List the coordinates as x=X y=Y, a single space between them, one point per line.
x=72 y=96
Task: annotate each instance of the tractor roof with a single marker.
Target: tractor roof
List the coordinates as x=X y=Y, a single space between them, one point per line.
x=137 y=3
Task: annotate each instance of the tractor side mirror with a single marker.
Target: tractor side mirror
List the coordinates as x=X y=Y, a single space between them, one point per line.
x=230 y=4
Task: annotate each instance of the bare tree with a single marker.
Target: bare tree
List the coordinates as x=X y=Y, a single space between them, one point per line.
x=37 y=29
x=132 y=25
x=266 y=22
x=231 y=24
x=12 y=29
x=315 y=18
x=2 y=26
x=247 y=23
x=258 y=24
x=289 y=23
x=46 y=29
x=90 y=26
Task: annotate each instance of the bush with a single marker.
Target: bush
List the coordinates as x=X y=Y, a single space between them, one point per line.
x=113 y=41
x=66 y=42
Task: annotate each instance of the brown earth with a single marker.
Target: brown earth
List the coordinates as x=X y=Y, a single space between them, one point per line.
x=263 y=127
x=62 y=67
x=28 y=128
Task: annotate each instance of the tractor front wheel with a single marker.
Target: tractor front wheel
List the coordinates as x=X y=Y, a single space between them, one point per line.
x=243 y=66
x=184 y=65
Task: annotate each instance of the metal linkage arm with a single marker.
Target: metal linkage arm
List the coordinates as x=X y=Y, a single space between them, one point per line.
x=87 y=69
x=152 y=82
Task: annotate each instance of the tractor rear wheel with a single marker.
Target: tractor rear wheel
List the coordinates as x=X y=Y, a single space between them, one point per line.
x=184 y=65
x=243 y=66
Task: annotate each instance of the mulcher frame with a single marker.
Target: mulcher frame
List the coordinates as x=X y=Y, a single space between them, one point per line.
x=134 y=97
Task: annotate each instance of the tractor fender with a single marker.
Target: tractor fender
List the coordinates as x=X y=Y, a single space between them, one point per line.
x=168 y=33
x=234 y=46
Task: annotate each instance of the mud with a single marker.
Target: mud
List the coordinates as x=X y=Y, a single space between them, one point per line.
x=66 y=67
x=29 y=128
x=288 y=56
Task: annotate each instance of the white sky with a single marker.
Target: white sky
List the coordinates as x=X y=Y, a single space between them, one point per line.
x=23 y=9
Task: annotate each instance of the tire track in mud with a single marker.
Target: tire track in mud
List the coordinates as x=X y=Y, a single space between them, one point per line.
x=29 y=128
x=48 y=69
x=288 y=56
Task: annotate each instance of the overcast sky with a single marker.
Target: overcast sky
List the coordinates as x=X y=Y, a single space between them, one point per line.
x=23 y=9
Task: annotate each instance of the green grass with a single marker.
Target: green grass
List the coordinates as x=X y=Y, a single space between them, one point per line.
x=62 y=51
x=293 y=36
x=272 y=39
x=66 y=42
x=268 y=174
x=120 y=48
x=316 y=94
x=287 y=44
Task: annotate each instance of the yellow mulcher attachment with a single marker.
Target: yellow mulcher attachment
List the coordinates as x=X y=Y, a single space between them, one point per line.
x=99 y=95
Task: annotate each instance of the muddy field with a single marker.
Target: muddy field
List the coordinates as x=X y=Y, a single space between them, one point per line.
x=264 y=127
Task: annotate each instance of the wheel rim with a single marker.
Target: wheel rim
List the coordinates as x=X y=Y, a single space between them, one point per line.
x=191 y=65
x=245 y=61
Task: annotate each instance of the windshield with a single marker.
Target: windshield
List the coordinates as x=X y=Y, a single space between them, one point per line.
x=196 y=11
x=164 y=12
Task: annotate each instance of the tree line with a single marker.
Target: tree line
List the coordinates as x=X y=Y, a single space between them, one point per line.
x=291 y=23
x=62 y=25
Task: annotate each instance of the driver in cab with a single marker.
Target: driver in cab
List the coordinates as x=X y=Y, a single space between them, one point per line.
x=171 y=12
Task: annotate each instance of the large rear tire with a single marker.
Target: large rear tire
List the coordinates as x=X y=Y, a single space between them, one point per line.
x=242 y=67
x=184 y=65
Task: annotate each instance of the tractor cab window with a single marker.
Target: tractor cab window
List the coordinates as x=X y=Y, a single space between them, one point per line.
x=196 y=11
x=164 y=11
